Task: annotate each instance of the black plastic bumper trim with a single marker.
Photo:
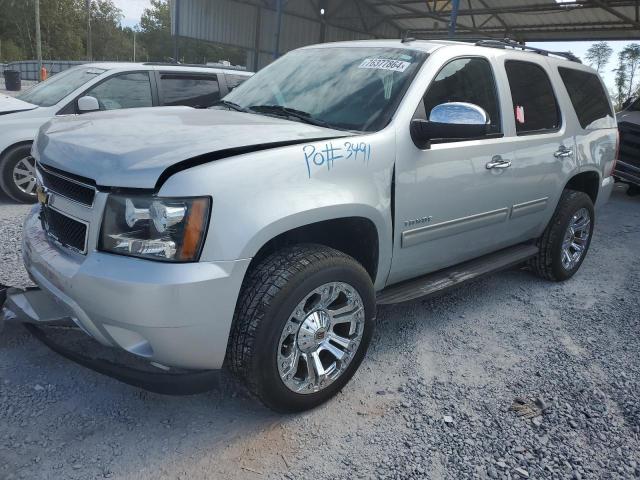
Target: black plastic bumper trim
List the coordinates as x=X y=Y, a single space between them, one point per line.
x=166 y=383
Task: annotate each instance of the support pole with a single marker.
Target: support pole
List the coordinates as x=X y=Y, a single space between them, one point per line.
x=89 y=40
x=38 y=39
x=276 y=52
x=176 y=46
x=455 y=6
x=256 y=43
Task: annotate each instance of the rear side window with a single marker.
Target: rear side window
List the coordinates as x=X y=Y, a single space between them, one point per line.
x=587 y=96
x=467 y=80
x=197 y=91
x=535 y=107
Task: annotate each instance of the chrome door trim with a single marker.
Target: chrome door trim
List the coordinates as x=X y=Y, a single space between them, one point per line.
x=526 y=208
x=453 y=227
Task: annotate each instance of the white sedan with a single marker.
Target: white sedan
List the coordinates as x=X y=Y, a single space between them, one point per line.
x=97 y=86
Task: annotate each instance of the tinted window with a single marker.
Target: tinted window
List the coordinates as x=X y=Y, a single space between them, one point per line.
x=131 y=90
x=466 y=80
x=234 y=80
x=587 y=96
x=191 y=90
x=534 y=104
x=350 y=88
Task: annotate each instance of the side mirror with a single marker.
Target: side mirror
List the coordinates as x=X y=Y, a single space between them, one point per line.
x=450 y=121
x=88 y=104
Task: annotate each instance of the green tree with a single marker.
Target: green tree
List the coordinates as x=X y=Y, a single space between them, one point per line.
x=630 y=57
x=621 y=85
x=64 y=30
x=598 y=55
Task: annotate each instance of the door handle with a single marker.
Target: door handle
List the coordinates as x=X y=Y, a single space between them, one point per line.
x=498 y=162
x=563 y=152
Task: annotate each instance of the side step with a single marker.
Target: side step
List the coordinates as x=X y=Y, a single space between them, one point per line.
x=456 y=275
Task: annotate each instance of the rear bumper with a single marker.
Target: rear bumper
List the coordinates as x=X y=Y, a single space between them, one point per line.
x=606 y=187
x=178 y=315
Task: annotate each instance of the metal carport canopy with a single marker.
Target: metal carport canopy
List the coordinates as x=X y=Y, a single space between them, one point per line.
x=267 y=28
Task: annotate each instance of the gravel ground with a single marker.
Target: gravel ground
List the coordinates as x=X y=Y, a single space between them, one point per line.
x=440 y=395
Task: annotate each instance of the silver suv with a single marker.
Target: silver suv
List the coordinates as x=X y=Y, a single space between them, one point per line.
x=97 y=86
x=260 y=234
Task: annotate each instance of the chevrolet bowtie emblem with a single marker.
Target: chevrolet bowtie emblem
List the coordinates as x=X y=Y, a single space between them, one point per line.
x=43 y=195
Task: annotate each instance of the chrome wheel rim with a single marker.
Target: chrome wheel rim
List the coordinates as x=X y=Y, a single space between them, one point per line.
x=24 y=175
x=576 y=238
x=321 y=337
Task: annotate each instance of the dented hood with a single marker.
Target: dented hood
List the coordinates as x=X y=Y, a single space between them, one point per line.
x=12 y=105
x=132 y=148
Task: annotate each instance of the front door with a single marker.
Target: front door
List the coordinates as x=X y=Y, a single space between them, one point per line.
x=450 y=205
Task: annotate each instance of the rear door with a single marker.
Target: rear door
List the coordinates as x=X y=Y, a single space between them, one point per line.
x=544 y=144
x=198 y=90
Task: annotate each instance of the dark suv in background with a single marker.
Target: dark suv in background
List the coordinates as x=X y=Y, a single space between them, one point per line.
x=628 y=166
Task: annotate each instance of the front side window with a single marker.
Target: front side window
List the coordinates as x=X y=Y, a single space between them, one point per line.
x=51 y=91
x=467 y=80
x=535 y=108
x=355 y=88
x=196 y=91
x=588 y=98
x=129 y=90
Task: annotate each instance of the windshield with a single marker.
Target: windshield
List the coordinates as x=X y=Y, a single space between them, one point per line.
x=346 y=88
x=51 y=91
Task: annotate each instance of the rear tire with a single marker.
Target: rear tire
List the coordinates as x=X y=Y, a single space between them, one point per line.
x=17 y=174
x=566 y=240
x=633 y=190
x=279 y=334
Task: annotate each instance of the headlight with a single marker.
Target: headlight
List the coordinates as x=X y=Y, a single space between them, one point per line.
x=167 y=229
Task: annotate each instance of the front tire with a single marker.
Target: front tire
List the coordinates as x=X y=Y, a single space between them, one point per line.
x=302 y=326
x=17 y=174
x=566 y=240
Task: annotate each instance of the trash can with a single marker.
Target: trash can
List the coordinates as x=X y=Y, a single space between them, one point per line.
x=12 y=80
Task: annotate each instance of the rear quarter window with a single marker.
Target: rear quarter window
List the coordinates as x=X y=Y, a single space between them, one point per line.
x=588 y=98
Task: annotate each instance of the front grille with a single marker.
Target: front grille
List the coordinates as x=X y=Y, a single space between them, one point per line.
x=65 y=230
x=67 y=187
x=630 y=144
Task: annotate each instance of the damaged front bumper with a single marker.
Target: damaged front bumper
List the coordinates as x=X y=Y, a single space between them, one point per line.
x=37 y=310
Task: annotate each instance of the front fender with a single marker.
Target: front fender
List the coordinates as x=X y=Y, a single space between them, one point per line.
x=261 y=195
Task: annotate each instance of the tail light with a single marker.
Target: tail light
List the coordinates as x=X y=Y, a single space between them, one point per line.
x=616 y=156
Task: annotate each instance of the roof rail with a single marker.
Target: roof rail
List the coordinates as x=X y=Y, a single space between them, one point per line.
x=218 y=66
x=508 y=43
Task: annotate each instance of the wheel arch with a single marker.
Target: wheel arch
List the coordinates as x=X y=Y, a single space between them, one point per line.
x=13 y=145
x=587 y=182
x=356 y=235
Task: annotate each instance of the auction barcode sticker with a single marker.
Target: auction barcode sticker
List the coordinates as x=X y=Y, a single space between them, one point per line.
x=385 y=64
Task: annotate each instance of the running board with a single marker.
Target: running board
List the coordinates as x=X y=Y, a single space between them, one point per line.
x=456 y=275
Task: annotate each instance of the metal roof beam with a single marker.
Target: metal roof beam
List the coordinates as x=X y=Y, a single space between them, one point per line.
x=486 y=10
x=414 y=13
x=608 y=8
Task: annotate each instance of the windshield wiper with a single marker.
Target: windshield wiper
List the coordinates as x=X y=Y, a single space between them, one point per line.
x=281 y=111
x=231 y=105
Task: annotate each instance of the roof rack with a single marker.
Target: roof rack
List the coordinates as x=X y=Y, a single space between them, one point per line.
x=508 y=43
